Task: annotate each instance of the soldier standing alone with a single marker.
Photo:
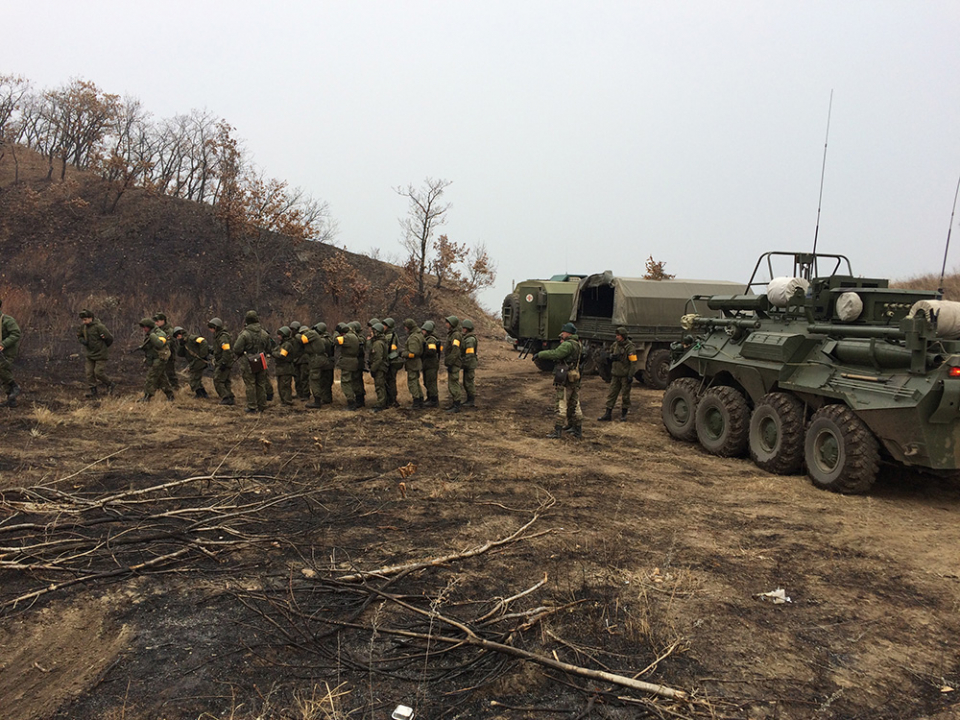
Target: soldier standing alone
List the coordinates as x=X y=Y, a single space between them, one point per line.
x=567 y=388
x=623 y=355
x=96 y=340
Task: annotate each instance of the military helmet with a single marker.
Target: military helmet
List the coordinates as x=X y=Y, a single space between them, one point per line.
x=355 y=326
x=373 y=321
x=320 y=327
x=176 y=330
x=215 y=323
x=86 y=314
x=378 y=328
x=147 y=322
x=390 y=323
x=340 y=327
x=453 y=320
x=429 y=326
x=409 y=323
x=295 y=325
x=285 y=332
x=621 y=331
x=467 y=324
x=569 y=328
x=251 y=317
x=159 y=316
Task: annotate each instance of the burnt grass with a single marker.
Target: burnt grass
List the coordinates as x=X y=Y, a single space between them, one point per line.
x=645 y=557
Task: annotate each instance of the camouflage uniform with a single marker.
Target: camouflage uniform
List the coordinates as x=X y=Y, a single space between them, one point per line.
x=567 y=394
x=96 y=341
x=284 y=364
x=469 y=360
x=157 y=352
x=251 y=342
x=196 y=350
x=359 y=390
x=413 y=361
x=322 y=365
x=223 y=359
x=9 y=347
x=431 y=364
x=171 y=364
x=349 y=364
x=379 y=365
x=396 y=360
x=452 y=361
x=301 y=364
x=623 y=354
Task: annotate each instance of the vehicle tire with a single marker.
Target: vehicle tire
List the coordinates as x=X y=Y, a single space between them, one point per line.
x=512 y=301
x=841 y=453
x=544 y=365
x=776 y=433
x=590 y=363
x=679 y=409
x=723 y=421
x=657 y=369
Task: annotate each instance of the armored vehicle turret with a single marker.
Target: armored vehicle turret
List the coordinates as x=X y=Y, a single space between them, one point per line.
x=822 y=370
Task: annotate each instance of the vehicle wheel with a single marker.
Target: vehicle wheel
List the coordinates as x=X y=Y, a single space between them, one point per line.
x=723 y=421
x=679 y=409
x=544 y=365
x=511 y=305
x=776 y=433
x=842 y=454
x=590 y=364
x=657 y=369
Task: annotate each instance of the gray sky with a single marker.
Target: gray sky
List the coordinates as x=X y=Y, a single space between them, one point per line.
x=579 y=136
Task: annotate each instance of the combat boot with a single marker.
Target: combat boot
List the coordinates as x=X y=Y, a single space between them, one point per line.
x=607 y=415
x=455 y=408
x=418 y=403
x=170 y=396
x=111 y=388
x=578 y=431
x=92 y=392
x=432 y=402
x=352 y=405
x=623 y=414
x=568 y=428
x=471 y=401
x=361 y=401
x=13 y=395
x=377 y=408
x=199 y=393
x=228 y=401
x=557 y=432
x=314 y=404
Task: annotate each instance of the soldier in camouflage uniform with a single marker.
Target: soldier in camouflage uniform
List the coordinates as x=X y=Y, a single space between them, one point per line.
x=9 y=347
x=567 y=402
x=96 y=341
x=396 y=360
x=379 y=365
x=171 y=368
x=431 y=364
x=469 y=363
x=359 y=390
x=283 y=363
x=623 y=357
x=157 y=352
x=301 y=364
x=223 y=359
x=348 y=363
x=322 y=365
x=413 y=361
x=196 y=350
x=452 y=361
x=253 y=341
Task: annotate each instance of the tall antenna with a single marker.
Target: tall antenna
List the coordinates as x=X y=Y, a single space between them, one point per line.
x=943 y=269
x=823 y=171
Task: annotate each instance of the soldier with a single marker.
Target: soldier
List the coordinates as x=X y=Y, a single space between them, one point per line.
x=301 y=364
x=96 y=341
x=566 y=384
x=358 y=387
x=396 y=360
x=322 y=366
x=623 y=357
x=431 y=364
x=413 y=361
x=223 y=359
x=348 y=363
x=452 y=361
x=196 y=350
x=379 y=365
x=160 y=319
x=157 y=353
x=469 y=361
x=251 y=348
x=283 y=363
x=9 y=347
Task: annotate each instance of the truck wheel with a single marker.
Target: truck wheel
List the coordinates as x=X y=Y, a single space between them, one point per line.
x=511 y=306
x=679 y=409
x=776 y=433
x=842 y=454
x=657 y=369
x=723 y=421
x=544 y=365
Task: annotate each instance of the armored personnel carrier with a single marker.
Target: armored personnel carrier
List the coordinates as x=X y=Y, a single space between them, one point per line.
x=822 y=370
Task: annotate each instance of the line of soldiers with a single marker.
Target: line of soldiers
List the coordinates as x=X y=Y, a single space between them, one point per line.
x=304 y=360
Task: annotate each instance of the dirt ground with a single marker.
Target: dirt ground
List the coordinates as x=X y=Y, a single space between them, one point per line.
x=185 y=560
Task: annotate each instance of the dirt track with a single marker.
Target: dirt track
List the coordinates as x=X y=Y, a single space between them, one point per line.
x=654 y=554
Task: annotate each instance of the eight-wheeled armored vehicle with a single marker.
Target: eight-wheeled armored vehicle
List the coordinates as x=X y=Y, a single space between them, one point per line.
x=821 y=369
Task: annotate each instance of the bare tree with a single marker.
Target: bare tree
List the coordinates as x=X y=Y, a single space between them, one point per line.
x=481 y=269
x=13 y=89
x=425 y=213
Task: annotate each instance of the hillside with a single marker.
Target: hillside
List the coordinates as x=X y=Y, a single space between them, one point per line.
x=62 y=252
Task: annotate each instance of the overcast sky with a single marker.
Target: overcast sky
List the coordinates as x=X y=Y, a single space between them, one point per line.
x=578 y=136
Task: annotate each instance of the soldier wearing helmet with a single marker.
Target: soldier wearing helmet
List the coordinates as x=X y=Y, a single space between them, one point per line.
x=160 y=319
x=452 y=360
x=283 y=363
x=469 y=361
x=96 y=341
x=431 y=363
x=156 y=351
x=379 y=364
x=196 y=350
x=223 y=359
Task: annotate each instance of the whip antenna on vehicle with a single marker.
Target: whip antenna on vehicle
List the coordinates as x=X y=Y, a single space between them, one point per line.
x=823 y=171
x=943 y=269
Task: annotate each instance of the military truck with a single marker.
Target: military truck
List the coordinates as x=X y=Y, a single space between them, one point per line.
x=536 y=310
x=822 y=370
x=649 y=309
